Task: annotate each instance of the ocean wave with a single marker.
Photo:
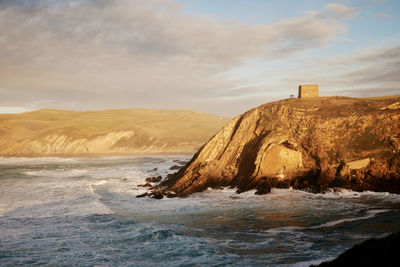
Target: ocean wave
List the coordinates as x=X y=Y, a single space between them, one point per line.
x=292 y=229
x=338 y=193
x=36 y=161
x=97 y=204
x=347 y=193
x=370 y=214
x=286 y=229
x=310 y=262
x=66 y=160
x=101 y=182
x=58 y=173
x=331 y=193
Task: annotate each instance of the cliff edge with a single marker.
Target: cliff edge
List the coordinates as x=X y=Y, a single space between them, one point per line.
x=311 y=144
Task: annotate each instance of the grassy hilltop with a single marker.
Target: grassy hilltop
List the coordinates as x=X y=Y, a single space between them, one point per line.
x=59 y=132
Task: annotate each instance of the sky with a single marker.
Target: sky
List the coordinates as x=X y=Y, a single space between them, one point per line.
x=215 y=56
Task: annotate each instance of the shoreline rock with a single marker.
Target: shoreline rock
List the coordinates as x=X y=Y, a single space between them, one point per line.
x=372 y=252
x=153 y=179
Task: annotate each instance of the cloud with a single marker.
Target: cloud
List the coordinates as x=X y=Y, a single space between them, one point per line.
x=379 y=67
x=372 y=72
x=382 y=15
x=341 y=12
x=89 y=54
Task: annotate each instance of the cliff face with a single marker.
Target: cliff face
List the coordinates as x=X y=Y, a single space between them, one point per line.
x=304 y=143
x=71 y=133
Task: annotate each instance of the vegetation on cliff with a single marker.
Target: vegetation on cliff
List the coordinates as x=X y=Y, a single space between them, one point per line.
x=311 y=144
x=66 y=133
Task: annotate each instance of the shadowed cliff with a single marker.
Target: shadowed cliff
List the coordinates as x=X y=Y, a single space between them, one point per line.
x=311 y=144
x=130 y=131
x=372 y=252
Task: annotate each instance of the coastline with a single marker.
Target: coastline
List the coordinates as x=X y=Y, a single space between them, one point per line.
x=128 y=154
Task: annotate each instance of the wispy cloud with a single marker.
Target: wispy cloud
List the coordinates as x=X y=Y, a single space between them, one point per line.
x=382 y=15
x=88 y=54
x=371 y=72
x=339 y=11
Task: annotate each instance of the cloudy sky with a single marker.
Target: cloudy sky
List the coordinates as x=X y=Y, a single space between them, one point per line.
x=215 y=56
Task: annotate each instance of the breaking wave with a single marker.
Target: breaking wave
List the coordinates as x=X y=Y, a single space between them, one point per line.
x=84 y=211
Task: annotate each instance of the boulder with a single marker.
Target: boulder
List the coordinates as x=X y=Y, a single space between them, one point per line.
x=153 y=179
x=145 y=185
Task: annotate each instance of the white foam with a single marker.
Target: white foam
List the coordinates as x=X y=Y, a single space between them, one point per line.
x=286 y=229
x=346 y=193
x=119 y=188
x=59 y=173
x=3 y=209
x=101 y=182
x=96 y=206
x=310 y=262
x=370 y=214
x=36 y=161
x=291 y=229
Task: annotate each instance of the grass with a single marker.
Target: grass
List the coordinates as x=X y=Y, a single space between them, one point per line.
x=157 y=123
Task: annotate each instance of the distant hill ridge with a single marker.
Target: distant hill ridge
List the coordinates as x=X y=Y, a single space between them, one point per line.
x=49 y=132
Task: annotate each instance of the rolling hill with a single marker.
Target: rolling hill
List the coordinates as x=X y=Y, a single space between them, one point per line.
x=130 y=131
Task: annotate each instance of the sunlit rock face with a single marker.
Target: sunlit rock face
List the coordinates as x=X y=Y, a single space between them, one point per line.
x=309 y=144
x=281 y=162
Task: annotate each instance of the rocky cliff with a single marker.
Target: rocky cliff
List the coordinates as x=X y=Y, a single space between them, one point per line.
x=71 y=133
x=311 y=144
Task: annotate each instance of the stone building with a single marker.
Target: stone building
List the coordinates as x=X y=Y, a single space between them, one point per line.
x=308 y=90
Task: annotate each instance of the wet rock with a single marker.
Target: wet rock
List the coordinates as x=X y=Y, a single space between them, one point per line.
x=175 y=167
x=263 y=188
x=145 y=185
x=180 y=162
x=156 y=195
x=170 y=194
x=372 y=252
x=142 y=195
x=153 y=179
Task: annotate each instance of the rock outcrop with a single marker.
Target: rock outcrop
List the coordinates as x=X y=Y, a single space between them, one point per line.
x=372 y=252
x=311 y=144
x=71 y=133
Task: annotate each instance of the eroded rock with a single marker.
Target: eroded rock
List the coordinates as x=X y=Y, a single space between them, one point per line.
x=145 y=185
x=153 y=179
x=306 y=144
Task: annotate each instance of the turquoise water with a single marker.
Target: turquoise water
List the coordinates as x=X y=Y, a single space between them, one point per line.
x=84 y=212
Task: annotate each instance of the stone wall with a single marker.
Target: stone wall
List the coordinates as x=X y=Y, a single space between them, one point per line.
x=309 y=90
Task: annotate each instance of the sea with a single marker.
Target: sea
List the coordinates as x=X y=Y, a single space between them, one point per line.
x=84 y=212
